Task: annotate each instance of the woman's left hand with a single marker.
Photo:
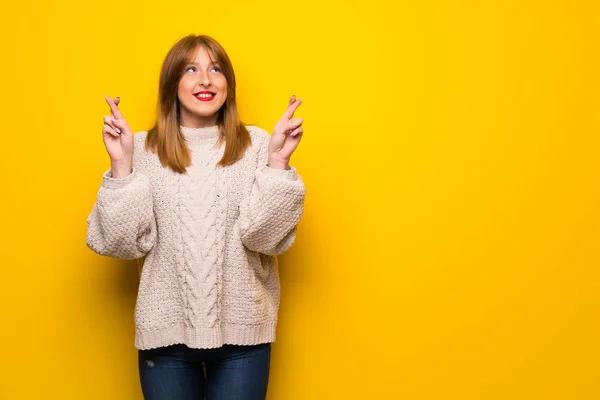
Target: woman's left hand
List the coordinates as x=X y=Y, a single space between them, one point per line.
x=286 y=136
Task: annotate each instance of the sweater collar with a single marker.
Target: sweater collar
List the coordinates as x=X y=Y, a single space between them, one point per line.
x=198 y=135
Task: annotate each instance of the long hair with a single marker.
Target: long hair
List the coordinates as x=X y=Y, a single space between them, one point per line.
x=165 y=138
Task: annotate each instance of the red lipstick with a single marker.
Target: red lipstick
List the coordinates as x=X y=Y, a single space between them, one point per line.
x=205 y=95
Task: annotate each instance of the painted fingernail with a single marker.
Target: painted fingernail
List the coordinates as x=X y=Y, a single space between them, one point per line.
x=118 y=131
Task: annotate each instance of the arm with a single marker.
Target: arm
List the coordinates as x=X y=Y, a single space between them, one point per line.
x=122 y=223
x=268 y=216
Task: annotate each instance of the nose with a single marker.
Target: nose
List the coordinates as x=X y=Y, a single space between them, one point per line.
x=204 y=79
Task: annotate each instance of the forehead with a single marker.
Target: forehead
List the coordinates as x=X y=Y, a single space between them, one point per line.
x=203 y=57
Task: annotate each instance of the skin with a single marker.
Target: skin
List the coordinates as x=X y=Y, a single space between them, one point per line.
x=200 y=75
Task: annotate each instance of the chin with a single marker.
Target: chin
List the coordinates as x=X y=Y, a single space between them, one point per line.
x=206 y=113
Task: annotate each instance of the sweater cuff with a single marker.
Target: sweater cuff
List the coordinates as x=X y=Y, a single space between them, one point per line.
x=288 y=174
x=109 y=182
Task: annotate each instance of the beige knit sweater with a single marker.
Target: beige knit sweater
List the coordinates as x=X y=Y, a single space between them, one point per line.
x=210 y=237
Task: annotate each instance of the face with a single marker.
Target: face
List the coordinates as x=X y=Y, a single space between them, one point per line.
x=201 y=92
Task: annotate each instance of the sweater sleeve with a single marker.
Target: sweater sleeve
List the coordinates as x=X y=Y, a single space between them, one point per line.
x=268 y=216
x=122 y=223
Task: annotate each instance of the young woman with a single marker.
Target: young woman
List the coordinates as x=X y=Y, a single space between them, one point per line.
x=209 y=202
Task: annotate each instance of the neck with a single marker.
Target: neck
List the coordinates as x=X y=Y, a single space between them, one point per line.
x=200 y=134
x=193 y=121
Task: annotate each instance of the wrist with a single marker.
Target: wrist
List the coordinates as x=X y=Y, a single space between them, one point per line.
x=121 y=169
x=278 y=163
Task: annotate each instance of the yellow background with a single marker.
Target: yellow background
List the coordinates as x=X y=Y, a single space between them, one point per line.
x=449 y=246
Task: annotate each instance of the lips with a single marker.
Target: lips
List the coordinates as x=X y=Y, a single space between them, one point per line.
x=205 y=95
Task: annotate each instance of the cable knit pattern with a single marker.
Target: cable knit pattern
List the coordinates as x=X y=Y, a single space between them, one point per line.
x=210 y=237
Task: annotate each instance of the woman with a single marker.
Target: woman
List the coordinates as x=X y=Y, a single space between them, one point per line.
x=209 y=202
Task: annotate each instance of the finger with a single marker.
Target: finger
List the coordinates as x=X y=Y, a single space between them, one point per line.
x=292 y=100
x=120 y=125
x=110 y=122
x=113 y=108
x=292 y=125
x=297 y=132
x=296 y=123
x=292 y=108
x=107 y=130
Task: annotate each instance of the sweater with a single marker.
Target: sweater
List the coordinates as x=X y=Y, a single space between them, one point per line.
x=210 y=238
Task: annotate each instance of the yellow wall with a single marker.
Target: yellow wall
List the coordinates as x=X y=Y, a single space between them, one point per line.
x=449 y=244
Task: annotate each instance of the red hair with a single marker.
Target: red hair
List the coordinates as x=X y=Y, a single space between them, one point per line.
x=165 y=138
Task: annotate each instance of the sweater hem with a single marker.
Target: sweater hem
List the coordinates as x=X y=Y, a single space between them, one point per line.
x=205 y=337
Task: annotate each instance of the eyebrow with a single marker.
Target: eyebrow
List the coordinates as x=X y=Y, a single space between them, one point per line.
x=211 y=63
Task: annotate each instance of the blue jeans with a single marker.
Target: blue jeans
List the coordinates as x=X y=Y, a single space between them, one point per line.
x=226 y=373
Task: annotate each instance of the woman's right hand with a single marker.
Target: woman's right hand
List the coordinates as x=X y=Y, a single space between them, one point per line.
x=118 y=139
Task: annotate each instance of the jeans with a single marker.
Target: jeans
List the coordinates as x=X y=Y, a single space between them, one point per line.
x=226 y=373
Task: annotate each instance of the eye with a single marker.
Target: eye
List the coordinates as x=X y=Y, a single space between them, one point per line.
x=217 y=69
x=190 y=69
